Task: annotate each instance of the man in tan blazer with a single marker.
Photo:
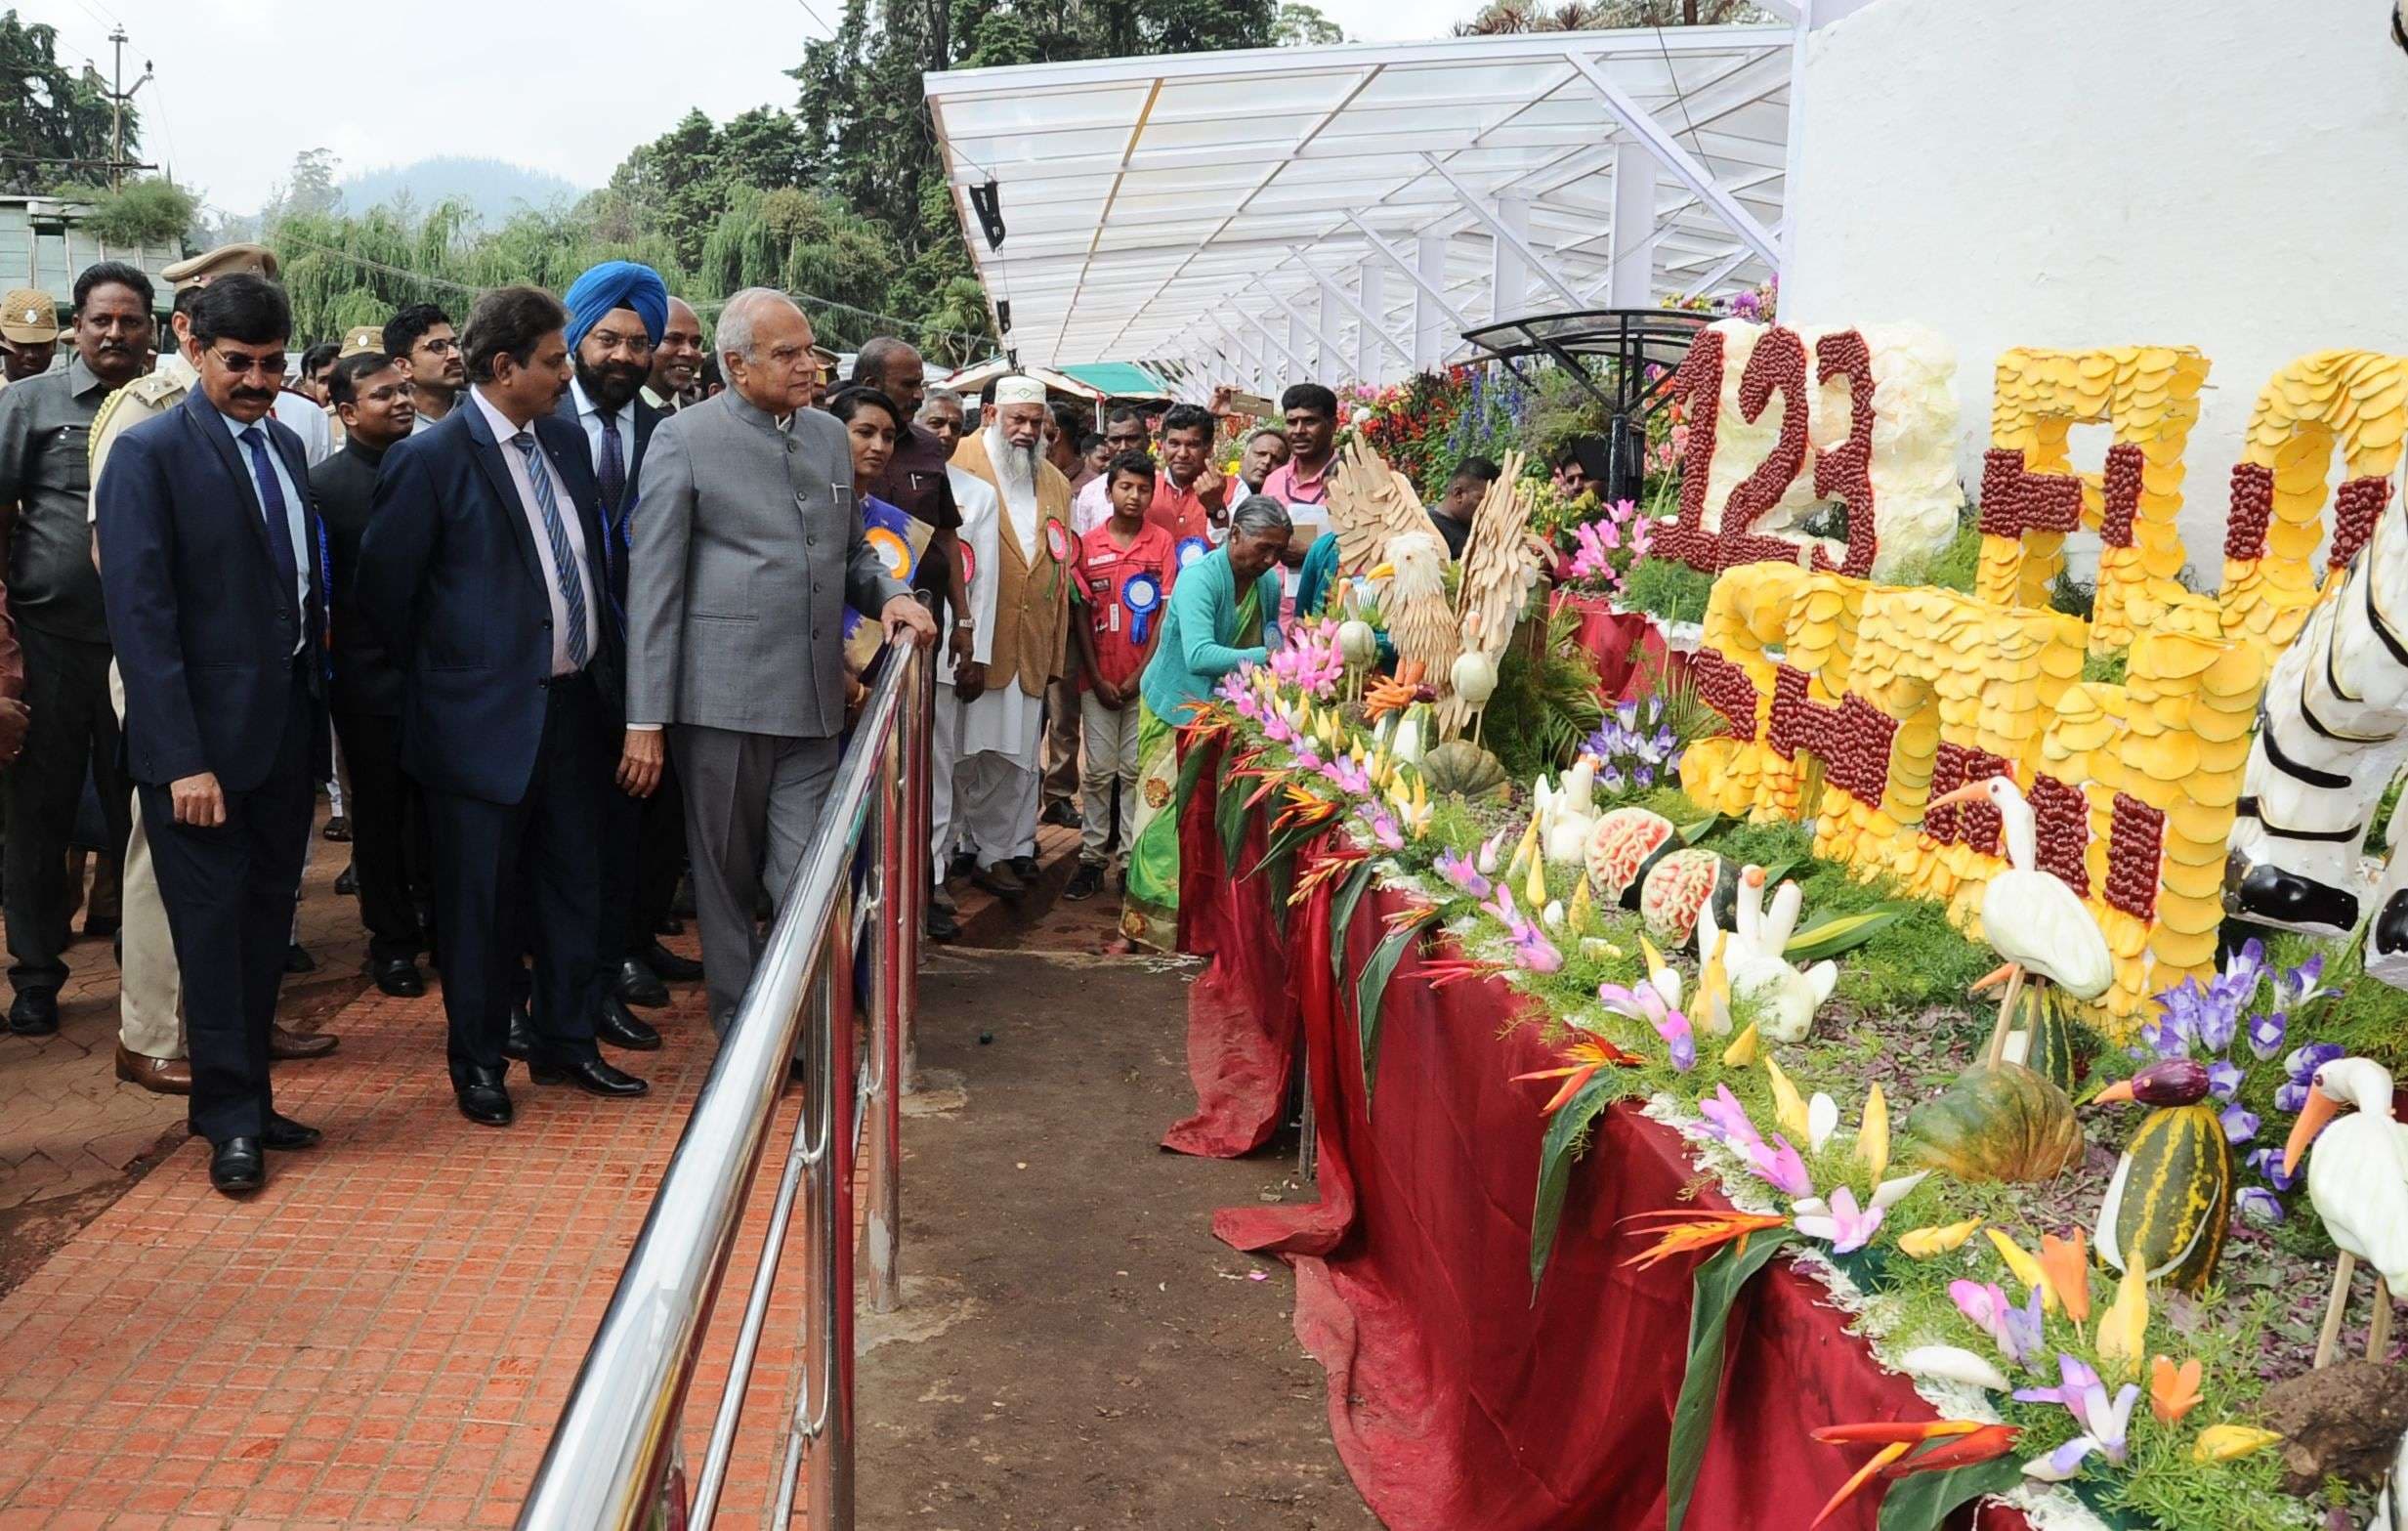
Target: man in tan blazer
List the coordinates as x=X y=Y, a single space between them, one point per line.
x=1002 y=714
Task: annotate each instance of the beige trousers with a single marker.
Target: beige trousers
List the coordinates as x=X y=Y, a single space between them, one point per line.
x=149 y=990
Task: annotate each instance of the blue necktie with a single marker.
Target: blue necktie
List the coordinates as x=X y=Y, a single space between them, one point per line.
x=272 y=500
x=563 y=557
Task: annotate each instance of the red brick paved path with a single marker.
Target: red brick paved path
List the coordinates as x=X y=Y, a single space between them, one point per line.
x=382 y=1338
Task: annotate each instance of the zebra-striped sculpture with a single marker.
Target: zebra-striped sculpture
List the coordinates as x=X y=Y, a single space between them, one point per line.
x=2332 y=730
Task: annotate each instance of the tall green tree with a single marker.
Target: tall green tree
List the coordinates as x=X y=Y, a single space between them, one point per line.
x=51 y=115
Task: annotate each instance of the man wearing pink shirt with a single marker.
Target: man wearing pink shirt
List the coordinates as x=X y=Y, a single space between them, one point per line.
x=1302 y=482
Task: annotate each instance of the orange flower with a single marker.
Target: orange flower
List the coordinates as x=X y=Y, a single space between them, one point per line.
x=1584 y=1056
x=2173 y=1391
x=2067 y=1264
x=1442 y=971
x=1967 y=1441
x=1688 y=1232
x=1323 y=869
x=1305 y=808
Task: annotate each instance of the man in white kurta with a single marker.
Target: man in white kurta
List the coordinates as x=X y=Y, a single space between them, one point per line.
x=978 y=535
x=997 y=783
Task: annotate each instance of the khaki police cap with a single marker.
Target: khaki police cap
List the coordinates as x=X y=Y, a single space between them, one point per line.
x=363 y=340
x=224 y=260
x=30 y=316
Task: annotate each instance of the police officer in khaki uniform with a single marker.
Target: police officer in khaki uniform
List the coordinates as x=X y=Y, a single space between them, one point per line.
x=29 y=333
x=150 y=1049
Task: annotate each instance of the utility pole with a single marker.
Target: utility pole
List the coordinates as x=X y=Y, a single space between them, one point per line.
x=118 y=96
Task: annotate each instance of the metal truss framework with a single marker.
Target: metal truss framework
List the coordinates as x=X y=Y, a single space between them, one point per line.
x=1345 y=212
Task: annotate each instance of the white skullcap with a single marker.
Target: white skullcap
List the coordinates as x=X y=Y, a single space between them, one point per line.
x=1017 y=390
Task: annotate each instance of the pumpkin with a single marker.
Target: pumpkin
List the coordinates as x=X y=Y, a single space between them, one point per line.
x=1678 y=885
x=1620 y=845
x=1999 y=1122
x=2042 y=1038
x=1464 y=768
x=2171 y=1202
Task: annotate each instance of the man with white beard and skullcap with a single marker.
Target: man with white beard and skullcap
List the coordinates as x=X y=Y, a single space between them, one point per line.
x=1002 y=714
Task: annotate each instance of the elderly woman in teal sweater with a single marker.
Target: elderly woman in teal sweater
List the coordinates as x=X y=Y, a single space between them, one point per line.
x=1219 y=610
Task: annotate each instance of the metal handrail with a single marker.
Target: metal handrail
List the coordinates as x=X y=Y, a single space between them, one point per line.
x=615 y=1461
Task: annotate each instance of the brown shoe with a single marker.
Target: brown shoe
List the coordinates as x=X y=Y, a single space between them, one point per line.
x=282 y=1043
x=162 y=1076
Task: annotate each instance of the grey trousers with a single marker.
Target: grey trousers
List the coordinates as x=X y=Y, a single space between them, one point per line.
x=751 y=803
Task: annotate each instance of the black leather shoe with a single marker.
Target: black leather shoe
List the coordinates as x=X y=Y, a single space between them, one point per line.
x=483 y=1099
x=282 y=1132
x=400 y=977
x=338 y=829
x=640 y=985
x=942 y=925
x=619 y=1027
x=297 y=959
x=238 y=1166
x=347 y=881
x=520 y=1041
x=668 y=965
x=35 y=1013
x=592 y=1076
x=1025 y=867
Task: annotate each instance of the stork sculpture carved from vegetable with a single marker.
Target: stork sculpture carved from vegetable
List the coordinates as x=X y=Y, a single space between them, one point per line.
x=2358 y=1184
x=1784 y=998
x=2171 y=1200
x=2030 y=917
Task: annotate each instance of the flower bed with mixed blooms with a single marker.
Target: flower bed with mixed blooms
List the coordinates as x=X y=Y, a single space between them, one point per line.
x=2084 y=1392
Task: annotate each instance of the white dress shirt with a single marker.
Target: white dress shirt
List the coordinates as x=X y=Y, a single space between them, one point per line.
x=296 y=521
x=563 y=662
x=306 y=418
x=590 y=416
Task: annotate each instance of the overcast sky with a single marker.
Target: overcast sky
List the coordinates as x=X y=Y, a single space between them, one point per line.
x=567 y=86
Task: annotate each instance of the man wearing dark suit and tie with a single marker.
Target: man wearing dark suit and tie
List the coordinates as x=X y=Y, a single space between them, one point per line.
x=481 y=569
x=379 y=411
x=213 y=587
x=616 y=313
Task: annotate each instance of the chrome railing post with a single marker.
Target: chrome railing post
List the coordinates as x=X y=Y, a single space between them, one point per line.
x=821 y=1429
x=896 y=873
x=920 y=731
x=615 y=1461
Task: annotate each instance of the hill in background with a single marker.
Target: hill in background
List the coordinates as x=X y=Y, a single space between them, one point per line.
x=494 y=188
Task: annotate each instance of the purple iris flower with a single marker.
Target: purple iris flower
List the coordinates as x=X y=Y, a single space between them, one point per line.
x=2240 y=1124
x=2260 y=1206
x=2265 y=1033
x=2223 y=1079
x=2269 y=1161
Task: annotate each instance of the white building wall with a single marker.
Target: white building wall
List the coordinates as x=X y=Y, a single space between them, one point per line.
x=2230 y=174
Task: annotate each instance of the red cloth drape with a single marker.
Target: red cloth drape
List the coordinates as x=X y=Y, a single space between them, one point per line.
x=1630 y=652
x=1240 y=1028
x=1459 y=1400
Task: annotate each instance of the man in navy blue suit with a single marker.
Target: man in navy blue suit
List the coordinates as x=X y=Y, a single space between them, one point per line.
x=210 y=575
x=616 y=314
x=483 y=571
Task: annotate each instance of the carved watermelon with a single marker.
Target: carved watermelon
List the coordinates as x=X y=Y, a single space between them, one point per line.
x=1619 y=848
x=1678 y=886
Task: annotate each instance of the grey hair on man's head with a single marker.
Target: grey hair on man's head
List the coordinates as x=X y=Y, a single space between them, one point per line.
x=1257 y=514
x=740 y=314
x=940 y=396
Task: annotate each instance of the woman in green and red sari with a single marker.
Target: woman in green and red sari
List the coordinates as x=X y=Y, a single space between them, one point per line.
x=1219 y=610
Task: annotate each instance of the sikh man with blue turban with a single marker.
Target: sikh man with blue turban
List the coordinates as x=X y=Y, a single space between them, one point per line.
x=616 y=312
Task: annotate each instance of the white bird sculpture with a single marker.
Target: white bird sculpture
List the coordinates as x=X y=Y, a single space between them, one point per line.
x=2358 y=1184
x=2030 y=917
x=1785 y=999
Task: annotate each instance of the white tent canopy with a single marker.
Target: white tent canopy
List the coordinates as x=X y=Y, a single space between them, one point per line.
x=1345 y=211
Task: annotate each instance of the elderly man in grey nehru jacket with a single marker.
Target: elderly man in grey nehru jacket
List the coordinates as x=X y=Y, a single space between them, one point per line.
x=747 y=548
